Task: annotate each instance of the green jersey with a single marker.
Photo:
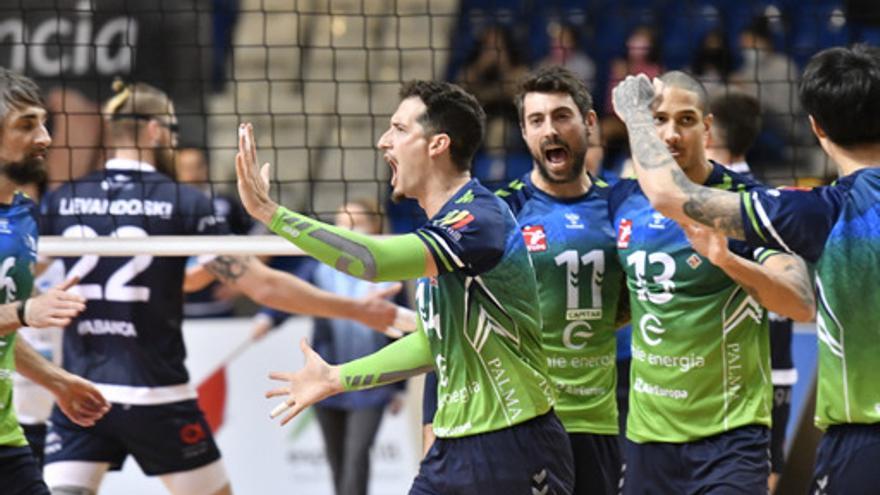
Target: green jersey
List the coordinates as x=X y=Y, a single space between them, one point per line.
x=18 y=253
x=572 y=245
x=481 y=318
x=838 y=228
x=700 y=347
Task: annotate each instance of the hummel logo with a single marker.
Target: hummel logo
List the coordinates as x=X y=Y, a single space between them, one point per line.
x=540 y=476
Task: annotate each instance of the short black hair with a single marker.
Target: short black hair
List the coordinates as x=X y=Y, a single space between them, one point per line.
x=840 y=89
x=554 y=79
x=738 y=117
x=687 y=82
x=453 y=111
x=17 y=91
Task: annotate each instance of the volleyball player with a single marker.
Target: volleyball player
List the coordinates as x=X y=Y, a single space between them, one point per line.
x=129 y=338
x=479 y=322
x=24 y=141
x=700 y=390
x=835 y=227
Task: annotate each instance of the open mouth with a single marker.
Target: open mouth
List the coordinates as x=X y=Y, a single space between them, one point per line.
x=675 y=152
x=39 y=155
x=393 y=164
x=555 y=154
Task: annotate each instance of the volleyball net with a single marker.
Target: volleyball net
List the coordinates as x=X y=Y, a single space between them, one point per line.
x=319 y=79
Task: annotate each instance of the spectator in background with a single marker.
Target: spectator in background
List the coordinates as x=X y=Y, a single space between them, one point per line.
x=349 y=421
x=565 y=51
x=491 y=73
x=217 y=299
x=642 y=56
x=713 y=62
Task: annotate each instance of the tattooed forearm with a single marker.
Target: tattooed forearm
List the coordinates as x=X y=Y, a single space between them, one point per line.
x=647 y=149
x=229 y=268
x=713 y=207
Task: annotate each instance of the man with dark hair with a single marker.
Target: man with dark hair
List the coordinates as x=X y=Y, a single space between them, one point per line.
x=700 y=386
x=24 y=141
x=563 y=215
x=737 y=122
x=734 y=130
x=479 y=326
x=835 y=227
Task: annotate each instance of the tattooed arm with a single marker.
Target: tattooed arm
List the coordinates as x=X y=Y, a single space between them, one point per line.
x=669 y=189
x=317 y=380
x=283 y=291
x=779 y=282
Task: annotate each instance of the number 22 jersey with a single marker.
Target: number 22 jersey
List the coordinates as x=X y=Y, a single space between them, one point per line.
x=128 y=340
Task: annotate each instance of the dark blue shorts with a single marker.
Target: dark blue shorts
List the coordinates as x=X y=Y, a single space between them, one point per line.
x=163 y=439
x=848 y=461
x=781 y=412
x=19 y=474
x=429 y=398
x=735 y=462
x=531 y=457
x=36 y=437
x=597 y=463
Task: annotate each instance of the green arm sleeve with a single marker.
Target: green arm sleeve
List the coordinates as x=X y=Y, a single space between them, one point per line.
x=409 y=356
x=396 y=258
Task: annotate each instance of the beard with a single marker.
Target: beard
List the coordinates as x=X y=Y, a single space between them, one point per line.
x=577 y=156
x=30 y=170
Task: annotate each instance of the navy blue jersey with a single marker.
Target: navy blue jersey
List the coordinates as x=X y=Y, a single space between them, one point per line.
x=838 y=228
x=129 y=337
x=573 y=248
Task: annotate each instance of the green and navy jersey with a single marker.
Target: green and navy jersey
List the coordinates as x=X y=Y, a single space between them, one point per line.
x=18 y=249
x=481 y=317
x=700 y=348
x=572 y=246
x=838 y=228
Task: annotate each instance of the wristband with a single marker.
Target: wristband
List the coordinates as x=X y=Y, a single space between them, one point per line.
x=20 y=311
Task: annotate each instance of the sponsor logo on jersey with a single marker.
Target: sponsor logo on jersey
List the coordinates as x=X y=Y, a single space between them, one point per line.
x=624 y=233
x=107 y=327
x=658 y=221
x=456 y=219
x=536 y=239
x=576 y=335
x=651 y=329
x=4 y=226
x=694 y=261
x=574 y=221
x=7 y=283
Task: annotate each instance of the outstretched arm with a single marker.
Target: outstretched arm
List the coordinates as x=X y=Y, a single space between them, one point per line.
x=368 y=257
x=669 y=189
x=779 y=282
x=54 y=308
x=283 y=291
x=78 y=398
x=317 y=380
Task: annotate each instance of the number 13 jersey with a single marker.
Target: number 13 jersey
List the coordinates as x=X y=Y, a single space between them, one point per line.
x=700 y=348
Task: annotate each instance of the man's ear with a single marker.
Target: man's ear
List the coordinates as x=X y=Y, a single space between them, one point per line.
x=817 y=130
x=154 y=130
x=438 y=144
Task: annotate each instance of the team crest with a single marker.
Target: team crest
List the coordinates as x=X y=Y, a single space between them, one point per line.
x=624 y=233
x=694 y=261
x=536 y=239
x=657 y=221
